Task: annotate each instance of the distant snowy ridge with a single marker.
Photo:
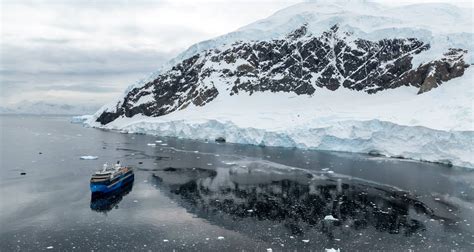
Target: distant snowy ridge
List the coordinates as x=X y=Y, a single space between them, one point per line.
x=47 y=108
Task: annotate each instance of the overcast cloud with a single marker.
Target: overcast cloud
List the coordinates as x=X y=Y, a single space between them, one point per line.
x=79 y=52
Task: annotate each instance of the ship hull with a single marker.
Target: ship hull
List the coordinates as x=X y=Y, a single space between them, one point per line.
x=109 y=188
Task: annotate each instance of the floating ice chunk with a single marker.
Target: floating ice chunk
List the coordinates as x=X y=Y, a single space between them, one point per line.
x=305 y=241
x=151 y=144
x=220 y=238
x=49 y=247
x=330 y=218
x=250 y=210
x=89 y=157
x=165 y=240
x=80 y=119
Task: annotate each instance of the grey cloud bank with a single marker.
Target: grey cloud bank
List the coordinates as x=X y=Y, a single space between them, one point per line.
x=86 y=53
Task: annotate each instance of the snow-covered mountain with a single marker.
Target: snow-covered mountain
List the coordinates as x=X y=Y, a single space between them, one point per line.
x=46 y=108
x=346 y=76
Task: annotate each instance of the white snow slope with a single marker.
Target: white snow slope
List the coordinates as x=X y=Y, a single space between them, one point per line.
x=435 y=126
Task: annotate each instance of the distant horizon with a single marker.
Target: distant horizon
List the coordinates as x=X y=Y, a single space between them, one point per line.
x=90 y=60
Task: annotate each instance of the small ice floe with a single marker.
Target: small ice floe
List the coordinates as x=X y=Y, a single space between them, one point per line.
x=330 y=218
x=305 y=241
x=250 y=210
x=89 y=157
x=332 y=250
x=220 y=238
x=165 y=240
x=49 y=247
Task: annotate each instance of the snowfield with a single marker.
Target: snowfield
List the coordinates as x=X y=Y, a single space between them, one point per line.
x=436 y=126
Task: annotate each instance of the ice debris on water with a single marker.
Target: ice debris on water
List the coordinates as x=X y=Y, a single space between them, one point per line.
x=330 y=218
x=89 y=157
x=49 y=247
x=220 y=238
x=165 y=240
x=305 y=241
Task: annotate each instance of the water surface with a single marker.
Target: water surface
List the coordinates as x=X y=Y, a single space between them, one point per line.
x=195 y=195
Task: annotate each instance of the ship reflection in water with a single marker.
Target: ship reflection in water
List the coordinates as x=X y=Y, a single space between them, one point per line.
x=101 y=202
x=255 y=197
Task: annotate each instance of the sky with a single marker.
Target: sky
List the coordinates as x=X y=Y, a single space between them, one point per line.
x=88 y=52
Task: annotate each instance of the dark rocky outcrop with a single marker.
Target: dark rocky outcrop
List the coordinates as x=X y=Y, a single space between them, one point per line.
x=299 y=63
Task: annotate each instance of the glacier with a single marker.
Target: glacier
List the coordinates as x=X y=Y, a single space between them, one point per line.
x=436 y=126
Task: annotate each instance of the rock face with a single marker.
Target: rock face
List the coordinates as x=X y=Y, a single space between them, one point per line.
x=300 y=63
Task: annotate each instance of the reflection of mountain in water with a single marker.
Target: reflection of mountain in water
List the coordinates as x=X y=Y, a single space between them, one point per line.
x=295 y=201
x=106 y=202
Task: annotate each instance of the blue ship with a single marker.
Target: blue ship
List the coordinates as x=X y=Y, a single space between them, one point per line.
x=110 y=179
